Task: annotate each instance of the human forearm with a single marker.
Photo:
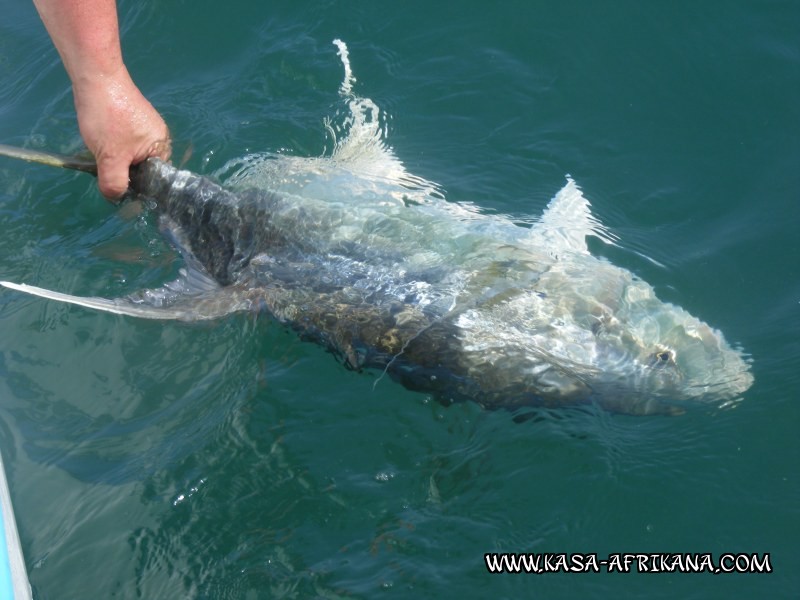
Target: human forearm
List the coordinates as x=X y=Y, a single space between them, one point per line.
x=86 y=34
x=116 y=121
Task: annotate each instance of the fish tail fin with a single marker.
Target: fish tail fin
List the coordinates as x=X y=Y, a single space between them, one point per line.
x=119 y=306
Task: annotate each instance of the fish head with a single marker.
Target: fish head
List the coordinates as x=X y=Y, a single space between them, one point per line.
x=589 y=331
x=666 y=355
x=603 y=330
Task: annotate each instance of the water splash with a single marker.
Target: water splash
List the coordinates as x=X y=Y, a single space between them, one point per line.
x=347 y=85
x=360 y=161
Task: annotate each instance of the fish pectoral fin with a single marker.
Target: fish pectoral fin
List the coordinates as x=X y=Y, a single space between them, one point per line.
x=148 y=304
x=194 y=276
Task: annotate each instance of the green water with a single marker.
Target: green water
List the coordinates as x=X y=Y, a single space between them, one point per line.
x=231 y=460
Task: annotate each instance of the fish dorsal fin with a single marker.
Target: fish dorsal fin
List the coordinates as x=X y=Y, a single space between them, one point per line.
x=566 y=222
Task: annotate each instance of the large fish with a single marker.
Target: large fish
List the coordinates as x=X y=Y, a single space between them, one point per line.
x=357 y=255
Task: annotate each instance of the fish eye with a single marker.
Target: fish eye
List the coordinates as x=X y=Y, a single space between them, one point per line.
x=662 y=358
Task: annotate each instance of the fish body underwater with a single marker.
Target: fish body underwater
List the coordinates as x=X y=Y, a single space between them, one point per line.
x=371 y=262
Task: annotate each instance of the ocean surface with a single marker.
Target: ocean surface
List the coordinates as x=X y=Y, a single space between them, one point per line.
x=232 y=460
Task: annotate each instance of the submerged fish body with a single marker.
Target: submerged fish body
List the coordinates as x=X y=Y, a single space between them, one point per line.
x=359 y=256
x=462 y=305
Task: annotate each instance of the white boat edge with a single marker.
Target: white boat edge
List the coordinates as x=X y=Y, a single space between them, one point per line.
x=13 y=575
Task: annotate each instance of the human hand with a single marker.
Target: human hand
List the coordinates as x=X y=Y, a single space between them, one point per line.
x=119 y=126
